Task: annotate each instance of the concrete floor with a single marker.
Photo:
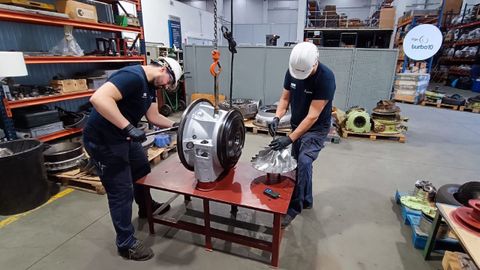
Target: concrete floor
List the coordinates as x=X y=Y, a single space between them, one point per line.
x=354 y=223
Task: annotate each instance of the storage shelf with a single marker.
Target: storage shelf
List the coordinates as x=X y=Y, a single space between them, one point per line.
x=463 y=43
x=48 y=99
x=457 y=60
x=81 y=59
x=7 y=15
x=466 y=25
x=460 y=73
x=428 y=19
x=59 y=134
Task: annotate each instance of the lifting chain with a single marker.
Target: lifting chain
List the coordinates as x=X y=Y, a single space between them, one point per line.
x=215 y=67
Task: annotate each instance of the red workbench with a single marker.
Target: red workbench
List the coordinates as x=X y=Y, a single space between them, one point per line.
x=242 y=186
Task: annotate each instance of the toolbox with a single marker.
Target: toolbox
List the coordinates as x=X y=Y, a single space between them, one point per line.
x=40 y=131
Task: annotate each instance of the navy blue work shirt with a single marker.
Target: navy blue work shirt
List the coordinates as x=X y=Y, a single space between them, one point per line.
x=137 y=96
x=319 y=86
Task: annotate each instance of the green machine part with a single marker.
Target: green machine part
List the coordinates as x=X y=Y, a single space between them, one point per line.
x=358 y=120
x=386 y=126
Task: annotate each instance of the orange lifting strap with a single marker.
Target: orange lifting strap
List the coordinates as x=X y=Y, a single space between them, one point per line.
x=215 y=64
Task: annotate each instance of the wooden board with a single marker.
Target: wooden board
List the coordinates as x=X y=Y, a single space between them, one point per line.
x=249 y=126
x=465 y=109
x=440 y=105
x=91 y=186
x=469 y=241
x=373 y=136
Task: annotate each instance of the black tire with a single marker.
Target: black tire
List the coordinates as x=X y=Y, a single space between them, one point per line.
x=468 y=191
x=445 y=194
x=181 y=105
x=166 y=110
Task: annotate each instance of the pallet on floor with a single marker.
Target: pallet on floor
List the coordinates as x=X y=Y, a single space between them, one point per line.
x=155 y=154
x=412 y=218
x=465 y=109
x=83 y=181
x=249 y=126
x=86 y=185
x=405 y=101
x=440 y=105
x=374 y=136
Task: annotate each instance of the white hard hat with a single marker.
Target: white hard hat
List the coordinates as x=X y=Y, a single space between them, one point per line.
x=173 y=66
x=303 y=58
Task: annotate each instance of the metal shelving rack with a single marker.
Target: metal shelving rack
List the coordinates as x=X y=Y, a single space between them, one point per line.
x=6 y=106
x=458 y=43
x=413 y=21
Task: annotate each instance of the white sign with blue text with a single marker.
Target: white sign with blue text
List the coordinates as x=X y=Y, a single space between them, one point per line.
x=422 y=42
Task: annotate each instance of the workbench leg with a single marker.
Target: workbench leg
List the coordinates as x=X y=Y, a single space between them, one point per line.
x=206 y=218
x=276 y=239
x=234 y=210
x=432 y=236
x=187 y=198
x=148 y=202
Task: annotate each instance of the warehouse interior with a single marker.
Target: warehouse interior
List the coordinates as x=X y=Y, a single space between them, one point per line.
x=368 y=161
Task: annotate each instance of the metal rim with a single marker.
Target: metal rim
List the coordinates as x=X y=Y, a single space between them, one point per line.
x=226 y=160
x=181 y=126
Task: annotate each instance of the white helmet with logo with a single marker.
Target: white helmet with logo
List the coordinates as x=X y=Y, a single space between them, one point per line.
x=173 y=67
x=303 y=58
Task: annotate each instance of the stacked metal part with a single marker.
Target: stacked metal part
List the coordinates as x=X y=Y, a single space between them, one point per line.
x=469 y=217
x=474 y=103
x=358 y=120
x=386 y=118
x=266 y=114
x=421 y=199
x=434 y=96
x=248 y=107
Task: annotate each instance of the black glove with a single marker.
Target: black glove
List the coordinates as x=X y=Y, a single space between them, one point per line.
x=273 y=126
x=280 y=143
x=135 y=134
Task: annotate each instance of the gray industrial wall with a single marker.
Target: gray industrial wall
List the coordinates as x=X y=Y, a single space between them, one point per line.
x=363 y=76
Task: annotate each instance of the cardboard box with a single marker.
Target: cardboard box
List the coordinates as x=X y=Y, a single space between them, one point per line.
x=387 y=18
x=68 y=86
x=77 y=10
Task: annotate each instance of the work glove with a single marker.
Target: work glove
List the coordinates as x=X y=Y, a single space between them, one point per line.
x=280 y=143
x=175 y=126
x=135 y=134
x=273 y=126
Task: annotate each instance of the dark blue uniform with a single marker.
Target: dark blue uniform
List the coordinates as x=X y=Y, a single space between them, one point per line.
x=318 y=86
x=121 y=162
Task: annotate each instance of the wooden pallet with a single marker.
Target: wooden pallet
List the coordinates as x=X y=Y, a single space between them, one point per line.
x=249 y=126
x=440 y=105
x=405 y=101
x=465 y=109
x=373 y=136
x=81 y=180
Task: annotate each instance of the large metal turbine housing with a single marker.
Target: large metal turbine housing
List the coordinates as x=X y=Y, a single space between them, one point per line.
x=210 y=142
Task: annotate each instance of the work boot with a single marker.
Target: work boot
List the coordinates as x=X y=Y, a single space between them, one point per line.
x=138 y=252
x=286 y=220
x=142 y=211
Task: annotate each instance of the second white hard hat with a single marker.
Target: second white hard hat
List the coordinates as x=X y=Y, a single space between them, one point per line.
x=303 y=58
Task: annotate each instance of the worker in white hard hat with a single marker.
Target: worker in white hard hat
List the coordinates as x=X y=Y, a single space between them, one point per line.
x=114 y=143
x=309 y=88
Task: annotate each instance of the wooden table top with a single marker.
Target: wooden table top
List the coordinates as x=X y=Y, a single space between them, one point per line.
x=470 y=241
